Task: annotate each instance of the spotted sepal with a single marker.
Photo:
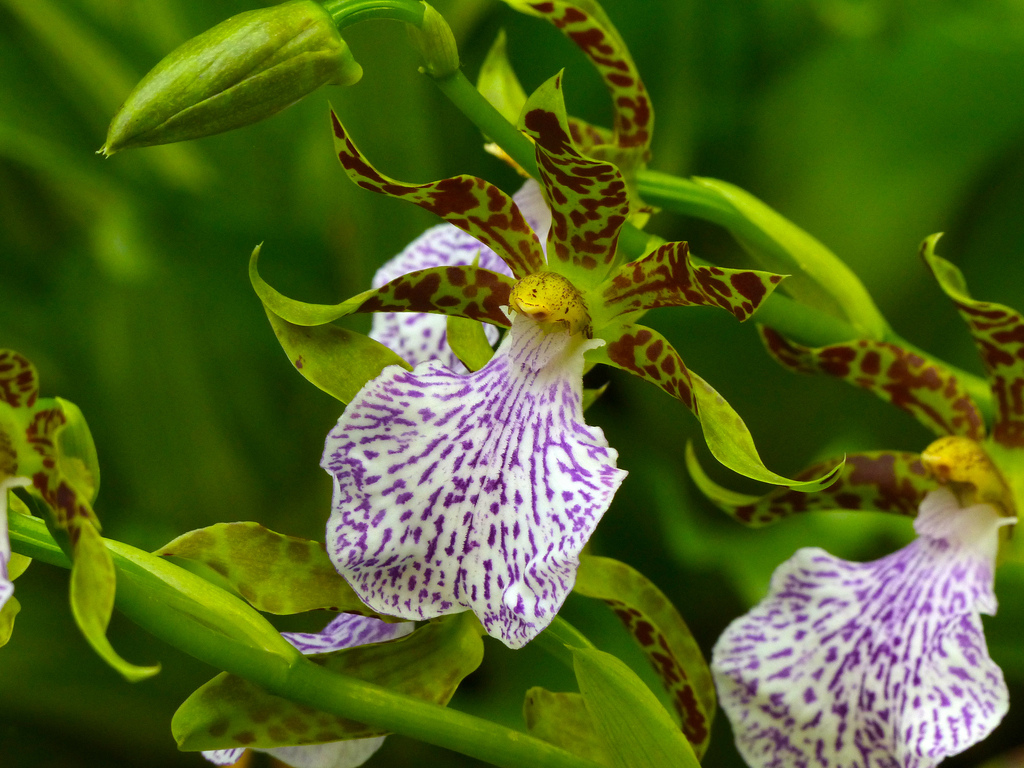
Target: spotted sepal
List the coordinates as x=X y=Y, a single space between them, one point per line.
x=464 y=291
x=662 y=635
x=646 y=353
x=275 y=573
x=870 y=664
x=230 y=712
x=927 y=391
x=586 y=24
x=998 y=332
x=588 y=198
x=879 y=481
x=475 y=206
x=667 y=277
x=47 y=442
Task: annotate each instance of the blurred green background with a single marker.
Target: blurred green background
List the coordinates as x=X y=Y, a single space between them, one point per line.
x=870 y=123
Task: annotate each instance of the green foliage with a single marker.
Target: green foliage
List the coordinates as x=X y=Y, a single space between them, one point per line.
x=562 y=719
x=429 y=664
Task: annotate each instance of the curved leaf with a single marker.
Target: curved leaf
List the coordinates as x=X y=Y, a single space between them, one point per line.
x=927 y=391
x=998 y=332
x=882 y=481
x=562 y=719
x=469 y=342
x=662 y=635
x=273 y=572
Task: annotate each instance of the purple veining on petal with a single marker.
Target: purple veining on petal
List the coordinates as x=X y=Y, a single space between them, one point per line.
x=224 y=756
x=419 y=336
x=347 y=631
x=471 y=491
x=887 y=664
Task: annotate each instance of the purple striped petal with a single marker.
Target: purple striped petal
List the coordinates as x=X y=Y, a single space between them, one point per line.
x=471 y=491
x=224 y=756
x=6 y=585
x=865 y=665
x=417 y=336
x=347 y=631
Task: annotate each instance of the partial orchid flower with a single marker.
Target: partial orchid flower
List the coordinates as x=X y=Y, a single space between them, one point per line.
x=886 y=659
x=344 y=631
x=881 y=663
x=6 y=578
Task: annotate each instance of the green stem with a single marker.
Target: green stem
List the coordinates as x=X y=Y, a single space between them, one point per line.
x=145 y=598
x=560 y=638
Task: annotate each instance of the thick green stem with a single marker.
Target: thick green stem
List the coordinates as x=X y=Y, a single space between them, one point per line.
x=148 y=600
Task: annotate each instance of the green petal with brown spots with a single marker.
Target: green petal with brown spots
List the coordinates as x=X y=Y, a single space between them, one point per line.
x=335 y=359
x=464 y=291
x=429 y=664
x=927 y=391
x=588 y=198
x=667 y=277
x=475 y=206
x=273 y=572
x=65 y=475
x=878 y=481
x=998 y=332
x=586 y=24
x=645 y=353
x=662 y=635
x=562 y=719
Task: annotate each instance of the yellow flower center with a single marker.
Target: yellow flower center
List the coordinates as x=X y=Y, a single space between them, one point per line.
x=963 y=465
x=547 y=297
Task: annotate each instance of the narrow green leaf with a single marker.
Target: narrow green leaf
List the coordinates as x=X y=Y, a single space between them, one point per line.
x=275 y=573
x=880 y=481
x=926 y=390
x=335 y=359
x=498 y=83
x=635 y=729
x=731 y=443
x=662 y=635
x=7 y=614
x=469 y=342
x=92 y=599
x=562 y=719
x=429 y=664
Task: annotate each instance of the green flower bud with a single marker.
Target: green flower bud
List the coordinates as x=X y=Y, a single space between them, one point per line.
x=436 y=43
x=243 y=70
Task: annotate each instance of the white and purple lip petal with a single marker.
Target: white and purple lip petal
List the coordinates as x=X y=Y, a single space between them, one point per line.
x=421 y=336
x=870 y=665
x=471 y=491
x=6 y=585
x=344 y=631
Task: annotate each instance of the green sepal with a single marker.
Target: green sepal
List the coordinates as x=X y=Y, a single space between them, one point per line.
x=469 y=342
x=429 y=664
x=667 y=277
x=879 y=481
x=588 y=213
x=646 y=353
x=7 y=615
x=591 y=396
x=475 y=206
x=818 y=277
x=926 y=390
x=78 y=457
x=464 y=291
x=335 y=359
x=634 y=728
x=93 y=583
x=662 y=635
x=562 y=719
x=275 y=573
x=998 y=332
x=497 y=81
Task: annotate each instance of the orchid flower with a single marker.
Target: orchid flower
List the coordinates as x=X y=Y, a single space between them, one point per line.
x=852 y=665
x=344 y=631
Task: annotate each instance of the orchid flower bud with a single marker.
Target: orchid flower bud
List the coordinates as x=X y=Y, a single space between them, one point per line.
x=243 y=70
